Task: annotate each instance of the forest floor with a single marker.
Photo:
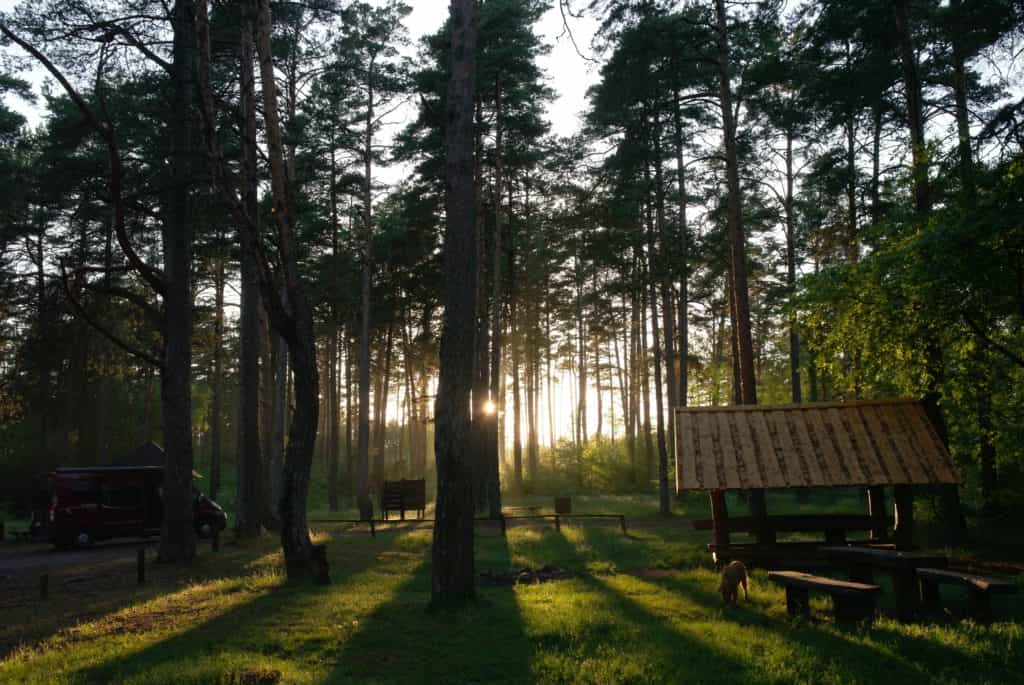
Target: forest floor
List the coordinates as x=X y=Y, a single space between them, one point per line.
x=636 y=608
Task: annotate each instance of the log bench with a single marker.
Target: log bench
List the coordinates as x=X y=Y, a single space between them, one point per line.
x=850 y=601
x=979 y=590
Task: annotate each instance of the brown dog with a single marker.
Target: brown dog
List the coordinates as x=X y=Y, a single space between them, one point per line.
x=733 y=575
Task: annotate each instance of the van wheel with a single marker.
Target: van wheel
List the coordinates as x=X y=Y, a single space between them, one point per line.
x=83 y=539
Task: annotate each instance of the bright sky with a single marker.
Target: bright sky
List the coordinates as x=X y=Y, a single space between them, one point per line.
x=569 y=75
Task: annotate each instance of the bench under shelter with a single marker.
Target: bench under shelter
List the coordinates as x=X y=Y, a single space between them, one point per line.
x=871 y=444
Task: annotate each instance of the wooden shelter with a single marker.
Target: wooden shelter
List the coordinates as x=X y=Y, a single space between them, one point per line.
x=869 y=444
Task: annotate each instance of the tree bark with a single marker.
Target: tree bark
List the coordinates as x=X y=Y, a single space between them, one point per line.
x=683 y=388
x=794 y=337
x=452 y=570
x=252 y=502
x=335 y=324
x=178 y=536
x=295 y=323
x=955 y=524
x=737 y=239
x=217 y=381
x=363 y=473
x=493 y=471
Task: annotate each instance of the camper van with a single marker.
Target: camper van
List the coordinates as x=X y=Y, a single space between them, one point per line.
x=104 y=502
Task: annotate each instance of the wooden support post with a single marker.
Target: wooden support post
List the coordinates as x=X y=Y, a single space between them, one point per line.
x=930 y=594
x=216 y=541
x=876 y=509
x=558 y=523
x=908 y=594
x=853 y=608
x=903 y=499
x=797 y=601
x=979 y=605
x=861 y=573
x=504 y=531
x=44 y=586
x=140 y=566
x=622 y=522
x=719 y=520
x=763 y=531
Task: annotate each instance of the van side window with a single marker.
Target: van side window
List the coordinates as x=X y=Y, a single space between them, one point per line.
x=122 y=496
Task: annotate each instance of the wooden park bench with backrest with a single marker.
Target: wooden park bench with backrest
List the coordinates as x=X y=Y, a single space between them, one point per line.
x=979 y=590
x=850 y=601
x=403 y=495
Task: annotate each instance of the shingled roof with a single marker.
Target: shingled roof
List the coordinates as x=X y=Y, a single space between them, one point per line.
x=885 y=442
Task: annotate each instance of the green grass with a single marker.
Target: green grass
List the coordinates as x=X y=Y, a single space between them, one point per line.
x=643 y=609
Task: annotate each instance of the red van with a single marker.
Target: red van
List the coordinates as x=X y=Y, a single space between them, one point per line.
x=103 y=502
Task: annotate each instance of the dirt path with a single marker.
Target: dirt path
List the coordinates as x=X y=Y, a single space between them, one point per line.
x=21 y=560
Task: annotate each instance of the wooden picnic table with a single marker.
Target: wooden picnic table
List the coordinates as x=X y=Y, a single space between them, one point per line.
x=861 y=562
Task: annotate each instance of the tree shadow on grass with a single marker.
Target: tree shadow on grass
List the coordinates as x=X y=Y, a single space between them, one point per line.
x=858 y=652
x=660 y=646
x=282 y=624
x=400 y=641
x=96 y=591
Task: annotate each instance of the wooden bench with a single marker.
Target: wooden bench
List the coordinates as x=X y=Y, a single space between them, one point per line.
x=979 y=590
x=403 y=495
x=850 y=601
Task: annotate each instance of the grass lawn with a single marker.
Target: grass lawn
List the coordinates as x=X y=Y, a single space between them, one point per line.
x=643 y=609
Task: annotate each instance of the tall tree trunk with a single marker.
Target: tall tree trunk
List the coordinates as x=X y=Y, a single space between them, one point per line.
x=217 y=393
x=334 y=404
x=363 y=475
x=915 y=108
x=350 y=465
x=279 y=423
x=683 y=388
x=517 y=438
x=955 y=524
x=645 y=390
x=178 y=538
x=581 y=398
x=662 y=256
x=737 y=239
x=963 y=124
x=547 y=361
x=295 y=323
x=380 y=414
x=252 y=505
x=794 y=337
x=493 y=483
x=987 y=451
x=876 y=163
x=452 y=570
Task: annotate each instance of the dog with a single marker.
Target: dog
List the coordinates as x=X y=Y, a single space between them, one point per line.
x=734 y=575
